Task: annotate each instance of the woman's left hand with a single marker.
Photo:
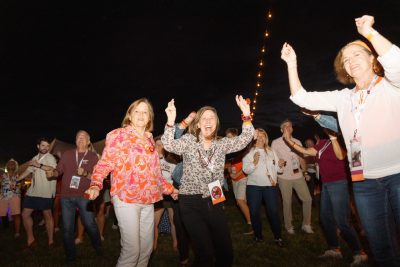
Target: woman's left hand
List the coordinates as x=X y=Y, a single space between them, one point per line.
x=174 y=194
x=243 y=105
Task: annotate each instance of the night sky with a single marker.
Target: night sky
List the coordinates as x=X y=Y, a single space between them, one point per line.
x=67 y=66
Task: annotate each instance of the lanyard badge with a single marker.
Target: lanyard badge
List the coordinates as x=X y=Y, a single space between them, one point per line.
x=356 y=164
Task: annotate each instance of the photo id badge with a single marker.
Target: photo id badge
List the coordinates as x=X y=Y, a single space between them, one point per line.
x=75 y=180
x=356 y=166
x=217 y=195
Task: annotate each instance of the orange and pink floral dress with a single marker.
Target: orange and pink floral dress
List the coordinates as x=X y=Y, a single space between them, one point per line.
x=134 y=165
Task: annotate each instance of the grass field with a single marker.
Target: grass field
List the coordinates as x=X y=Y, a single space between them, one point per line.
x=301 y=249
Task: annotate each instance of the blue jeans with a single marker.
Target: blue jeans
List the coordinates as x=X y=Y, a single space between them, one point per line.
x=68 y=207
x=378 y=204
x=255 y=196
x=335 y=213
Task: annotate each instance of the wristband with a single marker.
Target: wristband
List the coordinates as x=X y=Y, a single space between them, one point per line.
x=169 y=126
x=247 y=118
x=371 y=34
x=332 y=138
x=184 y=124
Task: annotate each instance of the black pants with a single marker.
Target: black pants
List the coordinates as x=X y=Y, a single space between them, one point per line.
x=181 y=233
x=208 y=230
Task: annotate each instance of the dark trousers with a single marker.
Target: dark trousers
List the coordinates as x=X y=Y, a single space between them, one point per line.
x=269 y=195
x=69 y=206
x=181 y=233
x=208 y=231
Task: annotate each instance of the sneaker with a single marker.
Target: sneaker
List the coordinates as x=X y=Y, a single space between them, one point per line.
x=41 y=223
x=279 y=242
x=290 y=231
x=56 y=229
x=331 y=253
x=78 y=241
x=307 y=229
x=102 y=238
x=114 y=227
x=249 y=230
x=258 y=240
x=359 y=259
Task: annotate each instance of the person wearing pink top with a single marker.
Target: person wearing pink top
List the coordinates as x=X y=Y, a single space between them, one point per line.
x=137 y=182
x=368 y=115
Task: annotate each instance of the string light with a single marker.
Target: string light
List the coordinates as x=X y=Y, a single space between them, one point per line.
x=261 y=63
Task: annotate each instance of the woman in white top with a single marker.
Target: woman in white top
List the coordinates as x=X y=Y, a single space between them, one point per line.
x=261 y=166
x=368 y=115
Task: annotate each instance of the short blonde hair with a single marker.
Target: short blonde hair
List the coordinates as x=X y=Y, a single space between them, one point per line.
x=127 y=121
x=195 y=130
x=341 y=74
x=16 y=164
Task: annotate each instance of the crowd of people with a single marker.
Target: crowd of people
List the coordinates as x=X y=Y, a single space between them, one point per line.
x=184 y=173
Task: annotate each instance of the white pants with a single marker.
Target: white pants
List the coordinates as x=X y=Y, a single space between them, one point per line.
x=136 y=225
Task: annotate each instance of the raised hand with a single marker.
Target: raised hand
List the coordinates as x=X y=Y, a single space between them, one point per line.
x=288 y=55
x=256 y=158
x=243 y=105
x=364 y=24
x=171 y=112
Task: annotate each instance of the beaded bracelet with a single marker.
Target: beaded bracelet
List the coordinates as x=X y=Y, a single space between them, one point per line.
x=246 y=118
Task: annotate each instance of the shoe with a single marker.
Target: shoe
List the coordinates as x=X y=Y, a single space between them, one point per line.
x=331 y=253
x=307 y=229
x=78 y=241
x=32 y=245
x=56 y=229
x=102 y=238
x=41 y=223
x=290 y=231
x=16 y=235
x=279 y=242
x=249 y=230
x=359 y=259
x=114 y=227
x=258 y=240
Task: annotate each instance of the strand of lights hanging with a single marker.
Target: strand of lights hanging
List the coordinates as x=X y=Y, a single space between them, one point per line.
x=261 y=64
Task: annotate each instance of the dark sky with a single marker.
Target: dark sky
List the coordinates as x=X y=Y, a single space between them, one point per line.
x=57 y=58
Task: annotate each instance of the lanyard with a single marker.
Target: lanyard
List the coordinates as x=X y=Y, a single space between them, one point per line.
x=76 y=157
x=39 y=159
x=322 y=150
x=358 y=103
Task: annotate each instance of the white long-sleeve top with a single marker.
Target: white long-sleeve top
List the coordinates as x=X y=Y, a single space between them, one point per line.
x=379 y=125
x=267 y=165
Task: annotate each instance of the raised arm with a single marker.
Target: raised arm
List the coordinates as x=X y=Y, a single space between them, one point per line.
x=340 y=153
x=364 y=27
x=292 y=144
x=289 y=56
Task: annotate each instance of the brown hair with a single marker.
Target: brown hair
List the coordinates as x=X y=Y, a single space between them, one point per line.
x=195 y=130
x=341 y=74
x=233 y=131
x=127 y=121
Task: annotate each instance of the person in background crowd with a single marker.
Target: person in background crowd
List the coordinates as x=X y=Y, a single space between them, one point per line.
x=239 y=181
x=76 y=167
x=41 y=193
x=261 y=164
x=10 y=195
x=292 y=178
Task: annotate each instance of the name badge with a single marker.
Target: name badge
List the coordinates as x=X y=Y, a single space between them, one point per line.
x=217 y=195
x=356 y=165
x=75 y=180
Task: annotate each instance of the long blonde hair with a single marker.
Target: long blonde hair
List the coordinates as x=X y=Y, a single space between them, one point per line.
x=127 y=121
x=194 y=128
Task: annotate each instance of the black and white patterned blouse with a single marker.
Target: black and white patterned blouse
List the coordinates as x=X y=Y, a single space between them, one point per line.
x=200 y=166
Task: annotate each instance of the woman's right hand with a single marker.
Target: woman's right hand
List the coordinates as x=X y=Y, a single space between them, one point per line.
x=288 y=55
x=92 y=193
x=171 y=112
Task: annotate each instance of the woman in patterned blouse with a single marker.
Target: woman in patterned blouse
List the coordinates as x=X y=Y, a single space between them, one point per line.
x=136 y=184
x=203 y=171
